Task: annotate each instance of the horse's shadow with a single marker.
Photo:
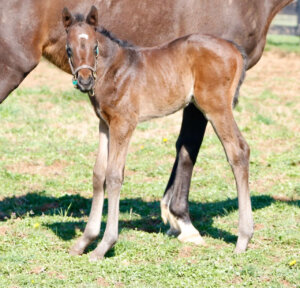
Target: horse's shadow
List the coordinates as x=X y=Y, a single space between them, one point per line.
x=146 y=215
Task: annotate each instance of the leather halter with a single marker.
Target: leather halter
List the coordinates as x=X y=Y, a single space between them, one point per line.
x=84 y=66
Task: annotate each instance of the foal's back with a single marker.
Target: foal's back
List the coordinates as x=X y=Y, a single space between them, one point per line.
x=198 y=68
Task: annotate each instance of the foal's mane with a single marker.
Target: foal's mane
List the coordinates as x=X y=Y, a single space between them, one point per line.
x=79 y=18
x=122 y=43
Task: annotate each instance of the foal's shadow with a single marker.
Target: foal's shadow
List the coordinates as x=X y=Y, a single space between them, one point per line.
x=145 y=215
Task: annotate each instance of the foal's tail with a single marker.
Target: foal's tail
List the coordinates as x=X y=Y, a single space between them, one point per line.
x=245 y=63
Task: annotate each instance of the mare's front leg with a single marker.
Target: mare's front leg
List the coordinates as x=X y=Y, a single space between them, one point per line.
x=174 y=205
x=16 y=62
x=120 y=131
x=12 y=75
x=92 y=229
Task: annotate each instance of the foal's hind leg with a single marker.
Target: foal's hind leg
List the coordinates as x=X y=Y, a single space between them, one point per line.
x=238 y=153
x=92 y=228
x=174 y=205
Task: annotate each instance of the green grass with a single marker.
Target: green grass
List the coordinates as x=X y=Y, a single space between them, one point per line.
x=48 y=140
x=283 y=43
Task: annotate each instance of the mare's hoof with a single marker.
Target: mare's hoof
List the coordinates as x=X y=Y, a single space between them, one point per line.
x=173 y=232
x=193 y=238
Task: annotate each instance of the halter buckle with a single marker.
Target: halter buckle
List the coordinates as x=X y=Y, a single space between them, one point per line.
x=92 y=93
x=75 y=81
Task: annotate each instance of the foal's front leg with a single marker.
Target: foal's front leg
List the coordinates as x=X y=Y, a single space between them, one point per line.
x=119 y=136
x=92 y=229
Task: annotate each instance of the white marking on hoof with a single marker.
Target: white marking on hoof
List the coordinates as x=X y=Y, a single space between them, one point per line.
x=195 y=239
x=189 y=234
x=174 y=225
x=164 y=212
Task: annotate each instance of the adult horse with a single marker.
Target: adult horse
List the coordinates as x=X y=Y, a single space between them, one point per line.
x=32 y=28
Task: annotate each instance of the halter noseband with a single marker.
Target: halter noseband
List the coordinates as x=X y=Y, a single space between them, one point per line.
x=84 y=66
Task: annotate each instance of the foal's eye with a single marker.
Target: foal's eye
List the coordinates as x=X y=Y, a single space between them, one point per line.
x=69 y=51
x=96 y=50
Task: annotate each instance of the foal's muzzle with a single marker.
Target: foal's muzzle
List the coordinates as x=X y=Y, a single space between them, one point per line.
x=85 y=84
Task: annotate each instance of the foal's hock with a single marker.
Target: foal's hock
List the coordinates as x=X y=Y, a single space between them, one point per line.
x=136 y=84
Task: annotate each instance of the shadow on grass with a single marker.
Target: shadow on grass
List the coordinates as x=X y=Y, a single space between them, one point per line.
x=202 y=214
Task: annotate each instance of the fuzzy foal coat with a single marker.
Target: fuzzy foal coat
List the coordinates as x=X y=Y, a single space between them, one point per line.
x=138 y=84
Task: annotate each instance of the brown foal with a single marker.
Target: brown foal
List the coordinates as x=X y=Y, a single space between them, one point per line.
x=137 y=84
x=244 y=22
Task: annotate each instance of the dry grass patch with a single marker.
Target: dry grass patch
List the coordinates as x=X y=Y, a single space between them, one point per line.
x=39 y=168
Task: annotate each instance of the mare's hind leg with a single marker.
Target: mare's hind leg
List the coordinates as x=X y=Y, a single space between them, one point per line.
x=92 y=228
x=238 y=152
x=174 y=205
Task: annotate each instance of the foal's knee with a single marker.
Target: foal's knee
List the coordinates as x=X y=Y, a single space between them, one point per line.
x=98 y=179
x=240 y=155
x=114 y=180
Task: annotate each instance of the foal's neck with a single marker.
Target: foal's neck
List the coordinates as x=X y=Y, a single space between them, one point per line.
x=112 y=53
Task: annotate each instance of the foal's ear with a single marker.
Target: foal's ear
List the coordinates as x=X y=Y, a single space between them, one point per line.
x=92 y=18
x=67 y=18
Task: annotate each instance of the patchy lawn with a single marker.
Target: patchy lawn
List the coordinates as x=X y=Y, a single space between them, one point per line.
x=48 y=139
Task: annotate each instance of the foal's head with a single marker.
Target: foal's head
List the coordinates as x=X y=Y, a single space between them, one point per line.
x=82 y=47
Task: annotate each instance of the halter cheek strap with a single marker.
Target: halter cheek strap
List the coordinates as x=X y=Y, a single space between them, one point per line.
x=84 y=66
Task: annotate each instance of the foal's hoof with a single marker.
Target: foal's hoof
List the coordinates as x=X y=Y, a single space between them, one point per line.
x=242 y=244
x=78 y=248
x=94 y=257
x=238 y=250
x=75 y=252
x=193 y=238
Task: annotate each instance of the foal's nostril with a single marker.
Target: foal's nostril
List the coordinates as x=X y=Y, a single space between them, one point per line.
x=85 y=84
x=86 y=81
